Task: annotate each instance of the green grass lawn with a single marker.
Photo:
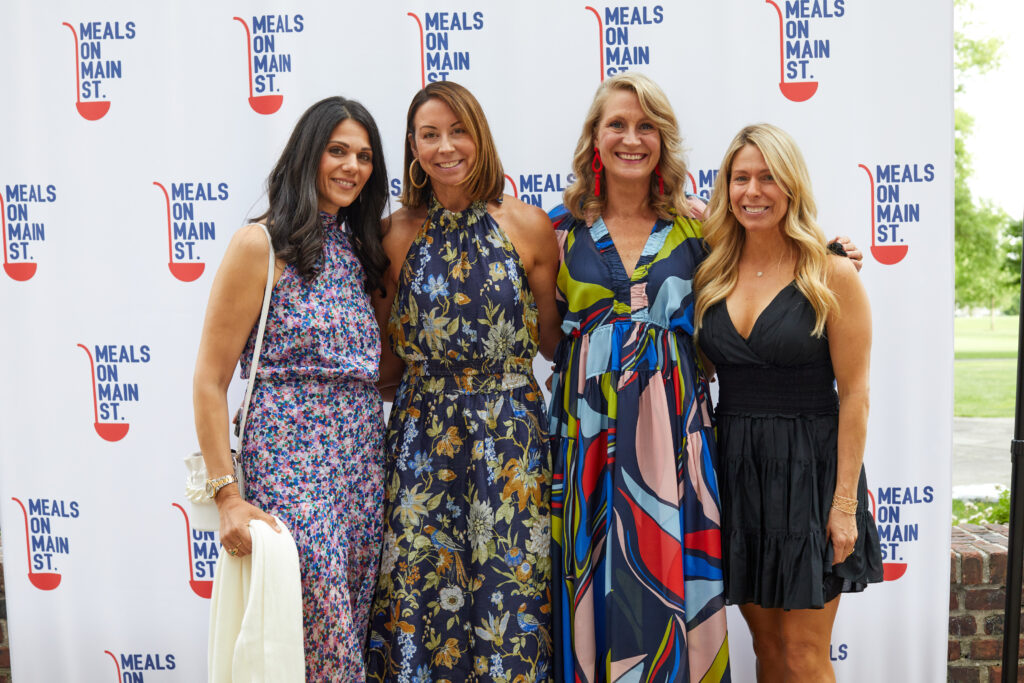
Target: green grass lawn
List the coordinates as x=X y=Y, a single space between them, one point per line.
x=974 y=338
x=984 y=388
x=985 y=371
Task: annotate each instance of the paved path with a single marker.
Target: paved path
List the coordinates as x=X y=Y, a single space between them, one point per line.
x=981 y=452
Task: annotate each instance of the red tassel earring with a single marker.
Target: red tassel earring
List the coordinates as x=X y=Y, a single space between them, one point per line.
x=597 y=166
x=661 y=181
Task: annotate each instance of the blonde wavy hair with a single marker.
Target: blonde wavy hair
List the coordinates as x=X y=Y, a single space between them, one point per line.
x=724 y=236
x=579 y=197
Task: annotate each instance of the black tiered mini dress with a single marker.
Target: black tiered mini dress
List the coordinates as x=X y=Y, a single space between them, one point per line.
x=778 y=423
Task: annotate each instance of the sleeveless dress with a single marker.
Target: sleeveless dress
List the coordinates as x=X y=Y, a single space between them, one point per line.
x=313 y=447
x=635 y=507
x=778 y=424
x=463 y=592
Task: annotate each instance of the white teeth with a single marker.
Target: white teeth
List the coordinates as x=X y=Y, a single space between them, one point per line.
x=630 y=157
x=448 y=164
x=755 y=209
x=345 y=183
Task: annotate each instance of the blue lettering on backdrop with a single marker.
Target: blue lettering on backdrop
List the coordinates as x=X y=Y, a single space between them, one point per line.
x=21 y=232
x=893 y=530
x=620 y=52
x=440 y=60
x=93 y=68
x=891 y=212
x=539 y=189
x=267 y=62
x=44 y=545
x=186 y=232
x=110 y=391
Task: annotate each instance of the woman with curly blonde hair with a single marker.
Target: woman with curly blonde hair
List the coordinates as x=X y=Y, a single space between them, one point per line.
x=635 y=510
x=785 y=324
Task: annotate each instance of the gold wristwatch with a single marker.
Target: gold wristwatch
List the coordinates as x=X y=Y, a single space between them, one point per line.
x=213 y=486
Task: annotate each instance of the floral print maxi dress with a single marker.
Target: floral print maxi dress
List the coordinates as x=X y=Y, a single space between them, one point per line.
x=313 y=447
x=463 y=592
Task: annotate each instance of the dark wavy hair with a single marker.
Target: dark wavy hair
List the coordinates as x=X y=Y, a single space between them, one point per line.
x=293 y=216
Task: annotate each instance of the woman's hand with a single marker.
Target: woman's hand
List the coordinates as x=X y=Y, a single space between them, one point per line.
x=852 y=252
x=842 y=532
x=235 y=515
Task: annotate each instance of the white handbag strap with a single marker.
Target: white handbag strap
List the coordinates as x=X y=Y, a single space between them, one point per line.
x=271 y=259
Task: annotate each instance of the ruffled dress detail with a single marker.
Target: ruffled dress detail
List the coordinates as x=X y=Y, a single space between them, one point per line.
x=778 y=424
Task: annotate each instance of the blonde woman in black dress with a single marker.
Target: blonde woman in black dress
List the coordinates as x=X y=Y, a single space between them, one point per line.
x=786 y=324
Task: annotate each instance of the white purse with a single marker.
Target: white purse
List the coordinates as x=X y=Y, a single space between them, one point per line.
x=204 y=510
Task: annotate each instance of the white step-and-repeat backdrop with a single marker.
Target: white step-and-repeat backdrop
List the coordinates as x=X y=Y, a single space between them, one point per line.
x=136 y=138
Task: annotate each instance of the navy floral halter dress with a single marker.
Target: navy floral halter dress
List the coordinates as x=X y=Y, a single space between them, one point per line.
x=463 y=592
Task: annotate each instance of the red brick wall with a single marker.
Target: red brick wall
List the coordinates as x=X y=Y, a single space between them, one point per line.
x=977 y=599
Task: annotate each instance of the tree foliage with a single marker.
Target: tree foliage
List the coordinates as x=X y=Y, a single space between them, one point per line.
x=981 y=229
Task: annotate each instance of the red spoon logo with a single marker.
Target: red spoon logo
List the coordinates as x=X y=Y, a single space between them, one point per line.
x=423 y=52
x=92 y=110
x=109 y=431
x=795 y=91
x=117 y=665
x=202 y=588
x=886 y=254
x=186 y=272
x=891 y=571
x=692 y=181
x=600 y=38
x=44 y=581
x=18 y=270
x=261 y=104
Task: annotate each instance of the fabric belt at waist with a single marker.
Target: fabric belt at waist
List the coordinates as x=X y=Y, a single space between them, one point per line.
x=806 y=390
x=479 y=376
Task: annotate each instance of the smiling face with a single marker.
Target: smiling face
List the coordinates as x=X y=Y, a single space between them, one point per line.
x=756 y=199
x=345 y=166
x=442 y=144
x=627 y=139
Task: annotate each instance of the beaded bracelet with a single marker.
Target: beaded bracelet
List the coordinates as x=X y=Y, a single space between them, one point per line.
x=844 y=504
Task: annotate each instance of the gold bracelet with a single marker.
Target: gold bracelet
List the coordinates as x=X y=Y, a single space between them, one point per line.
x=844 y=504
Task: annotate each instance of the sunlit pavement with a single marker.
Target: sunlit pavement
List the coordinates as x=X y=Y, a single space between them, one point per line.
x=981 y=455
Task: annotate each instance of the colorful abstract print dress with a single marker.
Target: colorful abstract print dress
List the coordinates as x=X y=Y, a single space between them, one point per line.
x=464 y=587
x=313 y=451
x=635 y=500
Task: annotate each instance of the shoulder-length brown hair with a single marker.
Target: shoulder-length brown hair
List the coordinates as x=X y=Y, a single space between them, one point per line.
x=724 y=236
x=486 y=180
x=579 y=197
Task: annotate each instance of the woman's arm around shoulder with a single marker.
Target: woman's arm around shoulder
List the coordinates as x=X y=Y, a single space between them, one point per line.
x=400 y=230
x=531 y=233
x=236 y=298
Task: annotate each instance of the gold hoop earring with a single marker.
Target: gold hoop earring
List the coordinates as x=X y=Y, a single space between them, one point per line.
x=412 y=181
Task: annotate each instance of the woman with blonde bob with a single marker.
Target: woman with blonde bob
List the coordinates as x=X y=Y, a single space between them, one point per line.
x=464 y=586
x=638 y=577
x=786 y=324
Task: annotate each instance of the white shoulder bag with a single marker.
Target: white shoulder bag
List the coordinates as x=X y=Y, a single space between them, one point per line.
x=204 y=509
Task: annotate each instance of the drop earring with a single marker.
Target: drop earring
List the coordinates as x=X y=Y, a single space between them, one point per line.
x=661 y=181
x=597 y=166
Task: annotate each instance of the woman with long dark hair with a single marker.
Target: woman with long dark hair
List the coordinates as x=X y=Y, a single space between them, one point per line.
x=312 y=451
